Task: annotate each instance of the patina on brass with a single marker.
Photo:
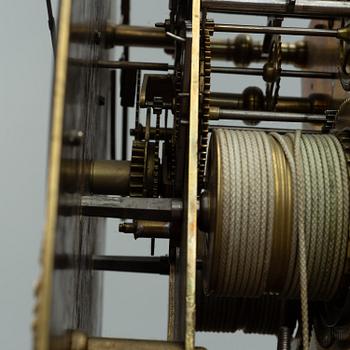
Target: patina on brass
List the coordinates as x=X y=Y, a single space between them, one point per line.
x=283 y=218
x=100 y=176
x=110 y=177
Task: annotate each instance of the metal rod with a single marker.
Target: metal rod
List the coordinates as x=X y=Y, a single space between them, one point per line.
x=302 y=8
x=161 y=209
x=213 y=127
x=78 y=340
x=125 y=10
x=253 y=99
x=147 y=229
x=113 y=114
x=284 y=73
x=132 y=65
x=268 y=116
x=122 y=64
x=140 y=132
x=138 y=264
x=125 y=128
x=242 y=28
x=126 y=35
x=243 y=50
x=141 y=36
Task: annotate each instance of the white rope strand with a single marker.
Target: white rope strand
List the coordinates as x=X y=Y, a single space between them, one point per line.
x=300 y=199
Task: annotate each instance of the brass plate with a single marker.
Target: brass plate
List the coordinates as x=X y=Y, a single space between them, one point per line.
x=183 y=275
x=69 y=292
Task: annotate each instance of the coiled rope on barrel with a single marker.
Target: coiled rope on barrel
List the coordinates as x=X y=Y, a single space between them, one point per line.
x=320 y=203
x=245 y=256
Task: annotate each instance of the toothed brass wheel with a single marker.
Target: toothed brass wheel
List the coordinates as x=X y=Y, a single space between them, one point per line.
x=144 y=172
x=207 y=31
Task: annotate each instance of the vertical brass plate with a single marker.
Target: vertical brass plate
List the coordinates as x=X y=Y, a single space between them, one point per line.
x=182 y=280
x=191 y=195
x=69 y=292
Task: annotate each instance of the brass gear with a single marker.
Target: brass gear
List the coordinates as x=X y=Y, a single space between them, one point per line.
x=176 y=112
x=137 y=168
x=205 y=72
x=144 y=170
x=272 y=73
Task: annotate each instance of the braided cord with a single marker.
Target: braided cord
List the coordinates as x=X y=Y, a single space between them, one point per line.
x=320 y=218
x=251 y=250
x=344 y=230
x=292 y=262
x=270 y=193
x=225 y=240
x=300 y=199
x=335 y=218
x=261 y=182
x=317 y=197
x=243 y=262
x=244 y=207
x=262 y=219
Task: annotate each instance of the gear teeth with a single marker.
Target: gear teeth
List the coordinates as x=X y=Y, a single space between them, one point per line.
x=207 y=31
x=205 y=68
x=137 y=168
x=178 y=86
x=138 y=185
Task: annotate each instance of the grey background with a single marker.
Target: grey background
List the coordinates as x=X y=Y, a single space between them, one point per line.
x=134 y=305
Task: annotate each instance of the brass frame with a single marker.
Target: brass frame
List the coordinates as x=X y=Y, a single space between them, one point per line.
x=191 y=188
x=41 y=336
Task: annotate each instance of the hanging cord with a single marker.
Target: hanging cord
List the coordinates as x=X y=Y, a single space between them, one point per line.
x=296 y=166
x=300 y=199
x=52 y=25
x=292 y=260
